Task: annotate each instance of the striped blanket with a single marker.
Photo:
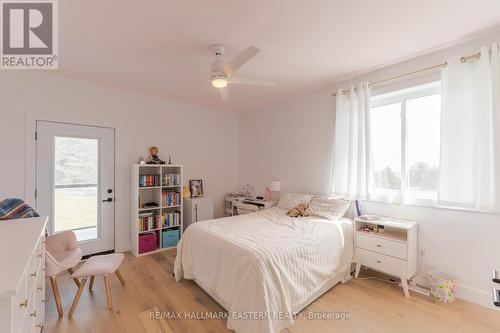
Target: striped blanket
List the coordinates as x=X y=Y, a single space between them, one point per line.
x=264 y=267
x=13 y=208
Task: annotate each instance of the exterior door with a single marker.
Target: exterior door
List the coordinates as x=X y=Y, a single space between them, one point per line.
x=75 y=182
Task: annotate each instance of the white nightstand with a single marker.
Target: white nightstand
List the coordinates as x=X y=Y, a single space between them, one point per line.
x=394 y=251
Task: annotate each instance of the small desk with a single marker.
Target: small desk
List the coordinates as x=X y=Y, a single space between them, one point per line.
x=246 y=205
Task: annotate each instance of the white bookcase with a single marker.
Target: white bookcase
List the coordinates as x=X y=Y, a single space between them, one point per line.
x=141 y=194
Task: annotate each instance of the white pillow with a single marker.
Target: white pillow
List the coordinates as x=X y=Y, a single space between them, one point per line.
x=291 y=200
x=328 y=207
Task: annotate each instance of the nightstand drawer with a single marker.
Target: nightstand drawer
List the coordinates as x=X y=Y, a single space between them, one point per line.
x=380 y=245
x=381 y=262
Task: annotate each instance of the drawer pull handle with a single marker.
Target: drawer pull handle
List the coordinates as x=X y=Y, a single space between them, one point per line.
x=33 y=314
x=39 y=288
x=40 y=326
x=24 y=304
x=43 y=300
x=39 y=256
x=379 y=262
x=378 y=245
x=33 y=274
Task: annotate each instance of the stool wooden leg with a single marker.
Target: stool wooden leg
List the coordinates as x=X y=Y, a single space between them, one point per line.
x=91 y=283
x=77 y=282
x=57 y=297
x=77 y=297
x=108 y=291
x=120 y=277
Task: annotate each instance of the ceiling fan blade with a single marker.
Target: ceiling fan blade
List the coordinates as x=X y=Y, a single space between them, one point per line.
x=238 y=61
x=224 y=93
x=176 y=57
x=250 y=80
x=198 y=81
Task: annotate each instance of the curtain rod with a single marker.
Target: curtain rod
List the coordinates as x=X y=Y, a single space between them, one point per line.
x=463 y=59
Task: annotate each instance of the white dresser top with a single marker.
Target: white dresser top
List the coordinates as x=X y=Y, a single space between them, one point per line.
x=17 y=244
x=390 y=222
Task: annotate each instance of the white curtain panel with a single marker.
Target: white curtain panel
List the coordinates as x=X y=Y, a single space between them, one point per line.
x=469 y=132
x=495 y=125
x=351 y=166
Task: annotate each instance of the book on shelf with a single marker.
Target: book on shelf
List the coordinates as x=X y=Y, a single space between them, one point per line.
x=171 y=179
x=149 y=205
x=170 y=199
x=149 y=180
x=171 y=219
x=148 y=222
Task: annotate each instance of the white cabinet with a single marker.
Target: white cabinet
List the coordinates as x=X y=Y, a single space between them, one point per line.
x=198 y=209
x=390 y=248
x=22 y=283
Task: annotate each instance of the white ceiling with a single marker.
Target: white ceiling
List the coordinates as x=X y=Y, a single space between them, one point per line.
x=305 y=45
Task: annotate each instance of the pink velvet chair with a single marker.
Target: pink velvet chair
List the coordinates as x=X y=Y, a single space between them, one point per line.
x=61 y=253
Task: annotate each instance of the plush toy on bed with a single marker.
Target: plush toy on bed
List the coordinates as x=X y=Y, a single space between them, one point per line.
x=298 y=211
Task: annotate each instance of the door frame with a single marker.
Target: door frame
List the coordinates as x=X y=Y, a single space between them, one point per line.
x=30 y=158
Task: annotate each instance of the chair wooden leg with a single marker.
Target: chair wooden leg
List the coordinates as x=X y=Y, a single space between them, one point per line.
x=120 y=277
x=77 y=297
x=91 y=284
x=57 y=297
x=77 y=282
x=108 y=291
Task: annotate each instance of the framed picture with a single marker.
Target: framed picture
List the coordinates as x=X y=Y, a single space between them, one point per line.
x=196 y=188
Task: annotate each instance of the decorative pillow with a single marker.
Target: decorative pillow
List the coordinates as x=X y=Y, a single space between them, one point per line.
x=327 y=207
x=291 y=200
x=300 y=210
x=14 y=208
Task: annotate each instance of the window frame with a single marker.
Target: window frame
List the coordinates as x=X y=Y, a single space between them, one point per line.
x=401 y=96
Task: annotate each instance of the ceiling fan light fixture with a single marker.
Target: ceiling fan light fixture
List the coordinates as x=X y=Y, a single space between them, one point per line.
x=219 y=82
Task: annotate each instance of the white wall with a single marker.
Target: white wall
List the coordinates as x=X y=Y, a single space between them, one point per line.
x=292 y=142
x=204 y=141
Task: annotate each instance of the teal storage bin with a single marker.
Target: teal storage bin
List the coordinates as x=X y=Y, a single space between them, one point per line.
x=170 y=237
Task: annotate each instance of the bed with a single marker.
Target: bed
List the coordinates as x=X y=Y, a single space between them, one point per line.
x=264 y=267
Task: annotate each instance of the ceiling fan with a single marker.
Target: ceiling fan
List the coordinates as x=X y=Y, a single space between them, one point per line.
x=223 y=74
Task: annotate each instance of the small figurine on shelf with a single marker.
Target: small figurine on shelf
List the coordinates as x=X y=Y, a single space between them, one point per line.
x=169 y=160
x=186 y=192
x=154 y=159
x=397 y=211
x=141 y=160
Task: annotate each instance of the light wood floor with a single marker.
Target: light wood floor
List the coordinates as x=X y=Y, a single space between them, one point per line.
x=374 y=306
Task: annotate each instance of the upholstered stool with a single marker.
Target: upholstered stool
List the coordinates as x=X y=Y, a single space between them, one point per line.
x=97 y=265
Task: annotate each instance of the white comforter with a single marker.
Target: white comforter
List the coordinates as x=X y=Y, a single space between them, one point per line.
x=265 y=266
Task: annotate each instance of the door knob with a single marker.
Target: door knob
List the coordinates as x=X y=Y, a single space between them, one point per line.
x=108 y=200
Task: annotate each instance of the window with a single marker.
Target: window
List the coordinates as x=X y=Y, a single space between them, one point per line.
x=405 y=132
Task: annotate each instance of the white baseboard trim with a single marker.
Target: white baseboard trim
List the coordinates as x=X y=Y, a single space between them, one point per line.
x=470 y=294
x=477 y=296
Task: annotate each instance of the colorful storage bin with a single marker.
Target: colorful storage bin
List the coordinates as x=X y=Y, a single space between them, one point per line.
x=170 y=237
x=148 y=242
x=443 y=286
